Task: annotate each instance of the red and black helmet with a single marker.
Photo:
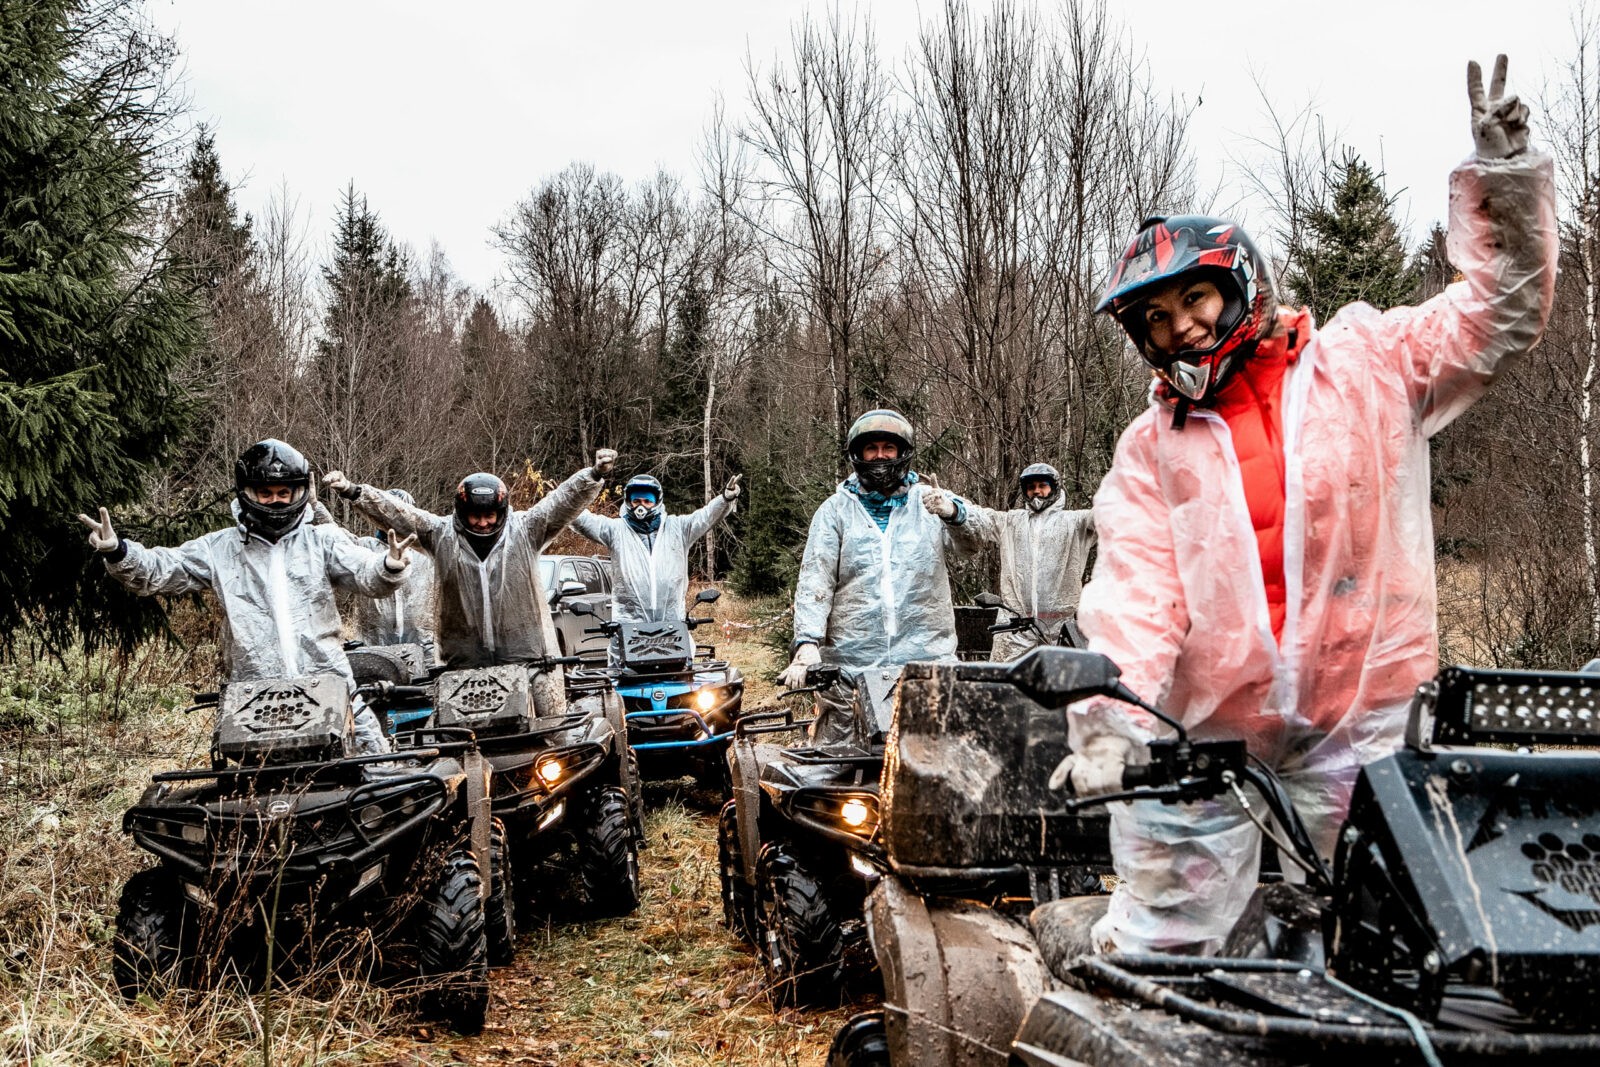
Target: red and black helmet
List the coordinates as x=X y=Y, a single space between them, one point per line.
x=482 y=493
x=1169 y=248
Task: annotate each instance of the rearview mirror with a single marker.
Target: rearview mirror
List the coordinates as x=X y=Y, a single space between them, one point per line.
x=581 y=607
x=707 y=595
x=1056 y=677
x=987 y=599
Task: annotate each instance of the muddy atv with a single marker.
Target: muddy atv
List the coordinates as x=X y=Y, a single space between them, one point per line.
x=1458 y=923
x=565 y=786
x=288 y=845
x=972 y=843
x=799 y=844
x=679 y=700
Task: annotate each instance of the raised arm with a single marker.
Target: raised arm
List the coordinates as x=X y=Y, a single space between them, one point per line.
x=696 y=524
x=352 y=565
x=390 y=511
x=567 y=501
x=596 y=528
x=1503 y=240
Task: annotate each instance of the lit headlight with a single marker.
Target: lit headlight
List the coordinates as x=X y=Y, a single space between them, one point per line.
x=706 y=699
x=549 y=771
x=854 y=812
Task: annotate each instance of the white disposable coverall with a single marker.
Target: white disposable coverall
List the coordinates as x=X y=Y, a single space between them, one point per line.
x=651 y=583
x=872 y=598
x=1042 y=559
x=279 y=619
x=403 y=619
x=1178 y=601
x=491 y=611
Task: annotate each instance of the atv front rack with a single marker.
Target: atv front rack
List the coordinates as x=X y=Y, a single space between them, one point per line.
x=317 y=770
x=1290 y=1004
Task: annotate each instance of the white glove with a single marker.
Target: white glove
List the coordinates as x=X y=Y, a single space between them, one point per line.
x=604 y=460
x=938 y=501
x=397 y=559
x=1096 y=768
x=731 y=490
x=102 y=538
x=794 y=675
x=336 y=481
x=1499 y=122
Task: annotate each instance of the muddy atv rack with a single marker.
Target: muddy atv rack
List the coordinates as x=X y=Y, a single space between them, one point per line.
x=281 y=842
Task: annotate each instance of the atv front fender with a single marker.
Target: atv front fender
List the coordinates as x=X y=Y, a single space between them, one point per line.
x=957 y=978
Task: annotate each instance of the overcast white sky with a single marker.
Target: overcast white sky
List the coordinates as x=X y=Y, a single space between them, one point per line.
x=444 y=115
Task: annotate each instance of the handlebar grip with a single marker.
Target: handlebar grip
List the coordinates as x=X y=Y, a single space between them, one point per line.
x=408 y=692
x=1137 y=775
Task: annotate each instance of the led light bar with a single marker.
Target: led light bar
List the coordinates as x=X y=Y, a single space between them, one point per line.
x=1516 y=707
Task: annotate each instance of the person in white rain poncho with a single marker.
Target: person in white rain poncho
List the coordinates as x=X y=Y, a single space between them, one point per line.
x=873 y=589
x=650 y=549
x=1266 y=558
x=489 y=604
x=1044 y=549
x=273 y=576
x=405 y=618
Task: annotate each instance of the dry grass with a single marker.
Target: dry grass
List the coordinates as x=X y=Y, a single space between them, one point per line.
x=667 y=986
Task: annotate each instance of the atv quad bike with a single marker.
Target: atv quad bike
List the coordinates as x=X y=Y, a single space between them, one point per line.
x=1068 y=636
x=1460 y=922
x=287 y=839
x=972 y=842
x=799 y=844
x=565 y=786
x=680 y=701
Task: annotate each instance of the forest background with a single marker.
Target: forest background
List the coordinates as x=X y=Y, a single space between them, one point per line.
x=927 y=232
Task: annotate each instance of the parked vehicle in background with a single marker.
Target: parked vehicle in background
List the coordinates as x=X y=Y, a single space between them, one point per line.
x=560 y=575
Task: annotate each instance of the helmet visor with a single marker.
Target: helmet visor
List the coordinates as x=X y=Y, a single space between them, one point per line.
x=276 y=494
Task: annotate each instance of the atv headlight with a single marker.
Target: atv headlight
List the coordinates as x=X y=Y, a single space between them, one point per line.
x=707 y=698
x=549 y=770
x=855 y=813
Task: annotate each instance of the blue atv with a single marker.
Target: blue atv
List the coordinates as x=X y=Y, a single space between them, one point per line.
x=680 y=701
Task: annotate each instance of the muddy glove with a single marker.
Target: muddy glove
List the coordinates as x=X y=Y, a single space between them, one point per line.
x=731 y=490
x=794 y=675
x=1499 y=122
x=397 y=559
x=604 y=460
x=320 y=515
x=102 y=538
x=336 y=481
x=1095 y=768
x=938 y=501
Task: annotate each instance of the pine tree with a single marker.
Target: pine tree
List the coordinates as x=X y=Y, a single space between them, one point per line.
x=94 y=316
x=1353 y=250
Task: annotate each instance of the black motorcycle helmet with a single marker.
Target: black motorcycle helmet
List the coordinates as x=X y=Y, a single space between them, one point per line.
x=641 y=517
x=271 y=463
x=882 y=476
x=478 y=494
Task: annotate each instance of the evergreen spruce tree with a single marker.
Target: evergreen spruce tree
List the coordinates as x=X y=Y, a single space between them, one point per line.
x=94 y=316
x=1354 y=250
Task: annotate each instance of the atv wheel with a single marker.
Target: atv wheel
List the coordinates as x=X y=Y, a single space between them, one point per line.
x=452 y=949
x=861 y=1042
x=608 y=854
x=499 y=911
x=800 y=942
x=738 y=896
x=149 y=951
